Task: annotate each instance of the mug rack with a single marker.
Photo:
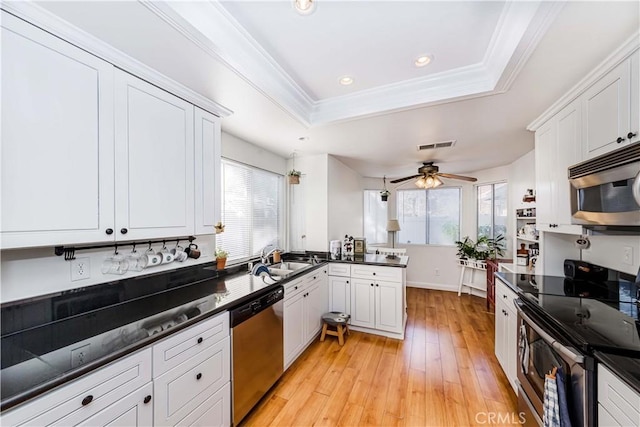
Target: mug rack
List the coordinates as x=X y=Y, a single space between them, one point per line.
x=69 y=252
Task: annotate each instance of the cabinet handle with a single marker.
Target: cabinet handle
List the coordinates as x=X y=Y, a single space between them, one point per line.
x=504 y=296
x=123 y=230
x=377 y=285
x=109 y=231
x=87 y=400
x=619 y=140
x=374 y=273
x=295 y=287
x=198 y=376
x=631 y=135
x=147 y=399
x=200 y=340
x=347 y=282
x=372 y=284
x=314 y=277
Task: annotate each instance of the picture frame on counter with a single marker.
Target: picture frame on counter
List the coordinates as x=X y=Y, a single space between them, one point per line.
x=359 y=245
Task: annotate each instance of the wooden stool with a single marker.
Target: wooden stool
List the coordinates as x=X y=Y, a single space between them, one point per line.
x=338 y=320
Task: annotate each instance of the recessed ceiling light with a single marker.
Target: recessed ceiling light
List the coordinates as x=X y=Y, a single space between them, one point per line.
x=346 y=80
x=423 y=60
x=304 y=7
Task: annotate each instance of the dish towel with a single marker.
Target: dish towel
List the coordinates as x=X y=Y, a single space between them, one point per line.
x=565 y=421
x=524 y=349
x=551 y=408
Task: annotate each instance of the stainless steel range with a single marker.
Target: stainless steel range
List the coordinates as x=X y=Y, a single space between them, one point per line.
x=562 y=321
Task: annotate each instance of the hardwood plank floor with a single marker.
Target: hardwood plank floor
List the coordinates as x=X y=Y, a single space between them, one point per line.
x=443 y=374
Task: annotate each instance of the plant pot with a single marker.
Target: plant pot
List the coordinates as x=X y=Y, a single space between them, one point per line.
x=221 y=262
x=294 y=179
x=384 y=197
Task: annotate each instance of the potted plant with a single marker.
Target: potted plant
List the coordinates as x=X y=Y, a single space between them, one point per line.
x=221 y=258
x=384 y=194
x=466 y=248
x=294 y=176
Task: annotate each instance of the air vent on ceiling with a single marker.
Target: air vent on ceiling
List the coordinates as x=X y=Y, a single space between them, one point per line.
x=443 y=144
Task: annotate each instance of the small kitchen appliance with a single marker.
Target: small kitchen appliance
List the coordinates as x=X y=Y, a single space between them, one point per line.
x=335 y=247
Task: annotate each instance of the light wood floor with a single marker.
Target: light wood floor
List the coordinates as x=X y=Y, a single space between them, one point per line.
x=443 y=373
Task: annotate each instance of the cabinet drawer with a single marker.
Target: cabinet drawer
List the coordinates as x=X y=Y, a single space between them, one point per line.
x=620 y=400
x=178 y=348
x=213 y=412
x=293 y=288
x=343 y=270
x=390 y=274
x=505 y=294
x=182 y=389
x=98 y=390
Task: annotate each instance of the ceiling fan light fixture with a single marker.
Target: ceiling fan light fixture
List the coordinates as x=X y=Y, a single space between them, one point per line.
x=429 y=181
x=304 y=7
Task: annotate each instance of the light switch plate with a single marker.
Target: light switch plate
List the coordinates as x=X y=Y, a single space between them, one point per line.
x=627 y=255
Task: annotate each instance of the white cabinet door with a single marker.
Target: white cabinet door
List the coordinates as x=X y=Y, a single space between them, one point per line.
x=388 y=300
x=500 y=333
x=567 y=154
x=314 y=308
x=57 y=140
x=294 y=329
x=339 y=294
x=154 y=161
x=363 y=303
x=511 y=345
x=134 y=410
x=208 y=198
x=213 y=412
x=606 y=109
x=545 y=163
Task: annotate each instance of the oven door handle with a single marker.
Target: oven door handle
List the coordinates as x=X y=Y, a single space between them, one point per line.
x=565 y=351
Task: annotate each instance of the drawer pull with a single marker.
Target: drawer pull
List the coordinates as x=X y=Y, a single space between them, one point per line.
x=200 y=340
x=87 y=400
x=147 y=399
x=347 y=281
x=504 y=296
x=198 y=376
x=372 y=284
x=374 y=273
x=295 y=287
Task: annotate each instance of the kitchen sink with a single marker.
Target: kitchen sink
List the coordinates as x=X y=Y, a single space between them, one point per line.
x=288 y=267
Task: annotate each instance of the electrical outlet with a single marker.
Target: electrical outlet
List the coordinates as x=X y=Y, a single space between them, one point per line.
x=627 y=255
x=80 y=269
x=80 y=355
x=437 y=271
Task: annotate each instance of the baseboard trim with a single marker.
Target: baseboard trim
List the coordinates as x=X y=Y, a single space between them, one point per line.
x=445 y=287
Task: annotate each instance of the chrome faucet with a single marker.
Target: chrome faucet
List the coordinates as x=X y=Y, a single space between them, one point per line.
x=265 y=257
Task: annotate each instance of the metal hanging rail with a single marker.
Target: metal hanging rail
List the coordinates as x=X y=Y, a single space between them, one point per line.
x=69 y=252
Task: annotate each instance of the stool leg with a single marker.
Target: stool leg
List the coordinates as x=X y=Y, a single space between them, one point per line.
x=346 y=327
x=324 y=332
x=340 y=335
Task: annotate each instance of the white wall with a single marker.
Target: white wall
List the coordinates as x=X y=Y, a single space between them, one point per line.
x=237 y=149
x=315 y=170
x=345 y=201
x=522 y=176
x=608 y=251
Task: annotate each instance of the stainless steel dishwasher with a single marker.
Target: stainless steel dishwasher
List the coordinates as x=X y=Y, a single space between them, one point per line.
x=257 y=341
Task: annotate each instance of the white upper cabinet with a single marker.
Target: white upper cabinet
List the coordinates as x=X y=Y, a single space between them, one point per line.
x=57 y=140
x=557 y=148
x=610 y=109
x=154 y=161
x=207 y=172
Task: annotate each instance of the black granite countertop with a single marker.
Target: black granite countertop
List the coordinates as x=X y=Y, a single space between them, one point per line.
x=115 y=319
x=374 y=259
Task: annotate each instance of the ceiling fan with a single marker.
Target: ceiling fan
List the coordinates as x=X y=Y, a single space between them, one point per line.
x=428 y=176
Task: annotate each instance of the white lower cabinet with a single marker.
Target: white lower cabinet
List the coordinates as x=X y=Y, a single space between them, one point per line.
x=134 y=410
x=111 y=391
x=377 y=305
x=305 y=301
x=506 y=332
x=618 y=404
x=340 y=294
x=190 y=385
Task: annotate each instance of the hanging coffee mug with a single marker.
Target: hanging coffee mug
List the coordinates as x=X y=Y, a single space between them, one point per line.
x=179 y=254
x=193 y=251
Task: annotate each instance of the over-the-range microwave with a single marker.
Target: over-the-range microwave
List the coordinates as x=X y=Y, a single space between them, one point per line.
x=605 y=190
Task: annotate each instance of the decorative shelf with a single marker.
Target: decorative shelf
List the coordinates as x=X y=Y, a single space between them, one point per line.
x=527 y=239
x=525 y=217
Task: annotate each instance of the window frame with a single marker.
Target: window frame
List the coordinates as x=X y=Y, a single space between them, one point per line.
x=427 y=218
x=493 y=206
x=282 y=220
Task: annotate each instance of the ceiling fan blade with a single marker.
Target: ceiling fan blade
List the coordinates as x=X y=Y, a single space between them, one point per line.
x=395 y=181
x=452 y=176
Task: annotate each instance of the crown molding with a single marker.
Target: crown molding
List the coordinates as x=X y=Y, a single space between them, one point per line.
x=55 y=25
x=210 y=27
x=618 y=56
